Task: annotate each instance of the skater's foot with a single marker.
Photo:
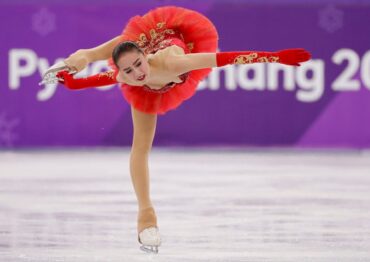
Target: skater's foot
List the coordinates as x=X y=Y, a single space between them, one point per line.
x=148 y=233
x=150 y=239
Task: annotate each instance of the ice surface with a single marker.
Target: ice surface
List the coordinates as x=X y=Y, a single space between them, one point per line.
x=212 y=205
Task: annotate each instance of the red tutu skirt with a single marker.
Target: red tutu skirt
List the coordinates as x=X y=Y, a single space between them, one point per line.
x=158 y=29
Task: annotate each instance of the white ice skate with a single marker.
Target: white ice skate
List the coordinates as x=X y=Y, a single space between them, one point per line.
x=150 y=240
x=50 y=75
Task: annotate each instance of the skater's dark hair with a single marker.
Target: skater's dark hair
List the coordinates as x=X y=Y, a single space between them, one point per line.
x=123 y=48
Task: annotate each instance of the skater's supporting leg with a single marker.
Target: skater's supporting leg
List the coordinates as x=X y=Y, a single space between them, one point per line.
x=144 y=130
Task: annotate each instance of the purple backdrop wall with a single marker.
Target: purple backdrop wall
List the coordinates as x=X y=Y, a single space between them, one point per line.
x=324 y=103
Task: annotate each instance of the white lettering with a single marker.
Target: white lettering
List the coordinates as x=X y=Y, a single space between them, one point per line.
x=313 y=87
x=273 y=77
x=344 y=81
x=16 y=70
x=255 y=83
x=365 y=69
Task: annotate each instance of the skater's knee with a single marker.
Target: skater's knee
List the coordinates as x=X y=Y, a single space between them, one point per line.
x=140 y=150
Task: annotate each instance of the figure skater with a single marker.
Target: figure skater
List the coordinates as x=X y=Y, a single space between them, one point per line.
x=158 y=61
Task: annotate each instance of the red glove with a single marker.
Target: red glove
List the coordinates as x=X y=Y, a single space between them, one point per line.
x=101 y=79
x=287 y=57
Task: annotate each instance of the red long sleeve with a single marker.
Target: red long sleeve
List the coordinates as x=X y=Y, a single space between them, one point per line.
x=287 y=56
x=101 y=79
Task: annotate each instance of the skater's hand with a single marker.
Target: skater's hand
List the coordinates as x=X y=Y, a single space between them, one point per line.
x=78 y=60
x=66 y=79
x=293 y=56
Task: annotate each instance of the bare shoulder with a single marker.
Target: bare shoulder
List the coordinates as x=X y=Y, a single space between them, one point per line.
x=163 y=56
x=171 y=50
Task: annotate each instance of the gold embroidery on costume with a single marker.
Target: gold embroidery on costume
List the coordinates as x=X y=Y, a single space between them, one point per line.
x=108 y=74
x=157 y=39
x=251 y=58
x=170 y=31
x=245 y=59
x=153 y=33
x=263 y=59
x=142 y=40
x=190 y=46
x=161 y=25
x=274 y=59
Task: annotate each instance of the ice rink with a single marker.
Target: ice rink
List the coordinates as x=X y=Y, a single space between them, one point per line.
x=212 y=205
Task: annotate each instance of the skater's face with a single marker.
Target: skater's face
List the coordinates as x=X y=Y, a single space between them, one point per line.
x=133 y=68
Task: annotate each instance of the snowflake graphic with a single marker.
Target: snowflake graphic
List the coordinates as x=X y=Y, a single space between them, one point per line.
x=43 y=22
x=7 y=135
x=331 y=18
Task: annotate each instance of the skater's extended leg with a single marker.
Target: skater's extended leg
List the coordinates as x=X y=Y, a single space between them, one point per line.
x=144 y=130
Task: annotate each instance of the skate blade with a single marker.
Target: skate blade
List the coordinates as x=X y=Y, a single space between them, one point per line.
x=50 y=80
x=50 y=75
x=149 y=249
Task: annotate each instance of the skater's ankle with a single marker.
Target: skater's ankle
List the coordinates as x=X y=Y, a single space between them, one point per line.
x=146 y=218
x=144 y=208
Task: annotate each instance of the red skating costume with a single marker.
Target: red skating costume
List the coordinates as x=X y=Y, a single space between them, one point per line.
x=194 y=33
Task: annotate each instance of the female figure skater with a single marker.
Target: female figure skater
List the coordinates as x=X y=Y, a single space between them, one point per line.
x=159 y=60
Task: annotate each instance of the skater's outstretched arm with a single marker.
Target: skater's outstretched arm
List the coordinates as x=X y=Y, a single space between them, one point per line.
x=82 y=57
x=100 y=79
x=144 y=129
x=188 y=62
